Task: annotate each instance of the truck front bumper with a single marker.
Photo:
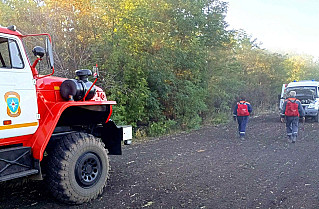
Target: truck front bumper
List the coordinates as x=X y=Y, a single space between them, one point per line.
x=126 y=134
x=112 y=136
x=311 y=112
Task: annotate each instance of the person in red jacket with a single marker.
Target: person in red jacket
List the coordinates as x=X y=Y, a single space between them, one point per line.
x=292 y=110
x=241 y=112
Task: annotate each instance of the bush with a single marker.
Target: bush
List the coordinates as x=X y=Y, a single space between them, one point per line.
x=161 y=128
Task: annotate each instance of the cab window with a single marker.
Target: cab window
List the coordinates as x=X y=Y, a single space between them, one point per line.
x=10 y=56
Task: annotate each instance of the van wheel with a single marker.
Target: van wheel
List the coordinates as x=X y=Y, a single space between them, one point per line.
x=317 y=117
x=77 y=168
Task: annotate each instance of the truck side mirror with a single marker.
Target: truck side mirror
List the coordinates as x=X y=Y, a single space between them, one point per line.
x=49 y=52
x=38 y=51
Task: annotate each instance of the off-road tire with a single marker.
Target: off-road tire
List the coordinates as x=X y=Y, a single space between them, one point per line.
x=77 y=168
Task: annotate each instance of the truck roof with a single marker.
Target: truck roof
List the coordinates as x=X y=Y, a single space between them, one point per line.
x=303 y=83
x=7 y=31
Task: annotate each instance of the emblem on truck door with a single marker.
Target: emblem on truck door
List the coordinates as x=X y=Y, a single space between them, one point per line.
x=13 y=103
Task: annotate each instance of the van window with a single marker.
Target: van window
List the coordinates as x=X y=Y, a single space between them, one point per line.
x=10 y=56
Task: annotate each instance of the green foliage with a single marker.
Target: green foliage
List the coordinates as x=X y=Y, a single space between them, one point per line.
x=219 y=118
x=161 y=128
x=169 y=64
x=189 y=104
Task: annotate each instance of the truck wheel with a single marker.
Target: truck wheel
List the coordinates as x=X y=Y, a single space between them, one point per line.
x=77 y=168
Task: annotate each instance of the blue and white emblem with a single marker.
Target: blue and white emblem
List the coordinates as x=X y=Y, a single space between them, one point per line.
x=13 y=103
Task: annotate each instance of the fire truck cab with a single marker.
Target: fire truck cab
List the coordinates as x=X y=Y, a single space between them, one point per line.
x=53 y=127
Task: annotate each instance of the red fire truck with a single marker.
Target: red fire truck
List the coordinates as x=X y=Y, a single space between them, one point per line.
x=53 y=128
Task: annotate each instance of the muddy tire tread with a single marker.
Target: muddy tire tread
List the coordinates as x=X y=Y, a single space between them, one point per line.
x=59 y=162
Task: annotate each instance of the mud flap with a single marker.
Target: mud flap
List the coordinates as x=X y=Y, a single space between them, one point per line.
x=112 y=138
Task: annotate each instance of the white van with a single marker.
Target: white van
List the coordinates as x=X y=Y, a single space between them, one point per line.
x=307 y=93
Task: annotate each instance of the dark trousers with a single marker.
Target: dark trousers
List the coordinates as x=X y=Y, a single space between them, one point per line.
x=292 y=124
x=242 y=122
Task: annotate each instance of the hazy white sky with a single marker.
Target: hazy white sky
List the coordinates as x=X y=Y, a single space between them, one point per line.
x=281 y=25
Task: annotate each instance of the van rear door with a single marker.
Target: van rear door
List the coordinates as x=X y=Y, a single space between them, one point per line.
x=282 y=99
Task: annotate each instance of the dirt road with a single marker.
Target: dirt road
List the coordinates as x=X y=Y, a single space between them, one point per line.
x=207 y=168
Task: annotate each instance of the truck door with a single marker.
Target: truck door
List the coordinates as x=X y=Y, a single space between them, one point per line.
x=282 y=99
x=18 y=103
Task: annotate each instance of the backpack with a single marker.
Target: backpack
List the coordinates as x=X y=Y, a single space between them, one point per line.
x=292 y=108
x=242 y=109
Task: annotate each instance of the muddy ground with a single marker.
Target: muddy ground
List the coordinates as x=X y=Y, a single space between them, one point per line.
x=207 y=168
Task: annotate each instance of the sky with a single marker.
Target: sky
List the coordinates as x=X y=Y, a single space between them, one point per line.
x=284 y=26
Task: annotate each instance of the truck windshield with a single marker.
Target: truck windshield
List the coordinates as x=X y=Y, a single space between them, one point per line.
x=303 y=91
